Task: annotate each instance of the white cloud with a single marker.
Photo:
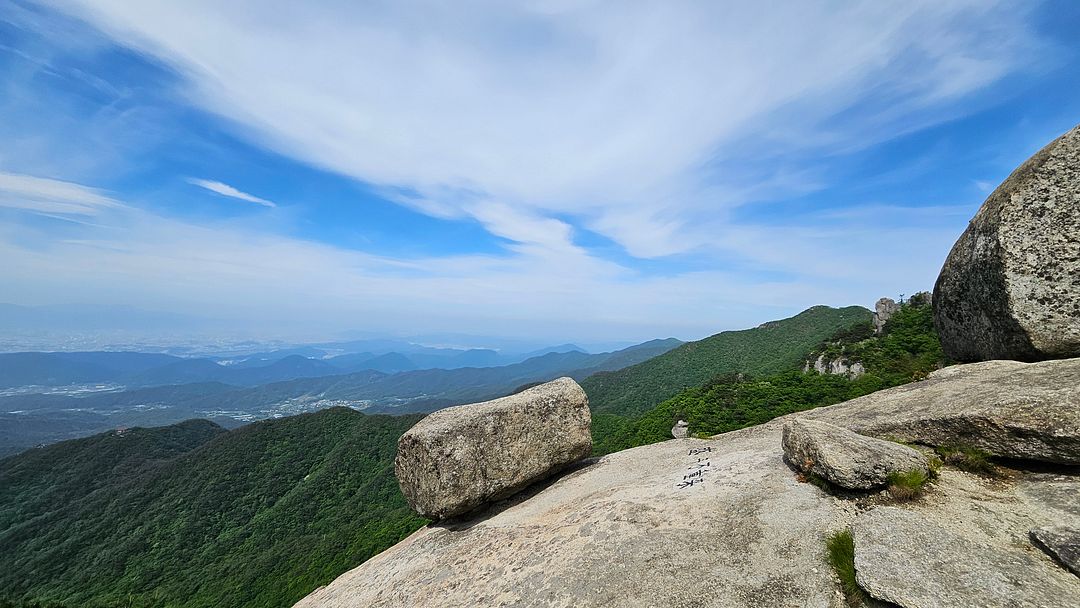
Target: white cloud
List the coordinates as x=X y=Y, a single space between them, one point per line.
x=229 y=191
x=629 y=120
x=50 y=196
x=293 y=288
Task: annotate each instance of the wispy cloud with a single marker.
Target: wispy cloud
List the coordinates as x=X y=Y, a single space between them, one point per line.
x=562 y=110
x=229 y=191
x=50 y=196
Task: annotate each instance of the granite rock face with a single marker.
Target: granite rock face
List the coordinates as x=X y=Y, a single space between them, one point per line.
x=1062 y=543
x=1028 y=411
x=903 y=558
x=460 y=458
x=1010 y=288
x=844 y=458
x=884 y=309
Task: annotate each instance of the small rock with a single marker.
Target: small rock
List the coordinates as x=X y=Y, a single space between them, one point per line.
x=901 y=557
x=845 y=458
x=1009 y=288
x=462 y=457
x=681 y=430
x=1061 y=543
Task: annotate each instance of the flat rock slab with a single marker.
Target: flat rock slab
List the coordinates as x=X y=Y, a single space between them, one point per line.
x=1062 y=543
x=903 y=558
x=1028 y=411
x=845 y=458
x=680 y=524
x=463 y=457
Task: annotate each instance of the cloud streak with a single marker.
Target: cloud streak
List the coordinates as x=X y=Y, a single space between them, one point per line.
x=226 y=190
x=50 y=196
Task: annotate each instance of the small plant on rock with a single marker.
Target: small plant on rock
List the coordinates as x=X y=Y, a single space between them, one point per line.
x=967 y=458
x=907 y=485
x=841 y=553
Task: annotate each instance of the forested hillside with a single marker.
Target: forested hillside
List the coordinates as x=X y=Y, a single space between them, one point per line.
x=907 y=350
x=773 y=347
x=258 y=516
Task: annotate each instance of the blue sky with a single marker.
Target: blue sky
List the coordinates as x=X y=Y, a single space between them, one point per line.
x=557 y=171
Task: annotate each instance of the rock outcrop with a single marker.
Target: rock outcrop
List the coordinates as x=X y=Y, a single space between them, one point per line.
x=1010 y=288
x=844 y=458
x=460 y=458
x=1029 y=411
x=904 y=558
x=837 y=367
x=681 y=430
x=884 y=309
x=643 y=527
x=1061 y=543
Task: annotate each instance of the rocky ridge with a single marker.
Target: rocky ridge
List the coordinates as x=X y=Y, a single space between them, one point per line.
x=692 y=522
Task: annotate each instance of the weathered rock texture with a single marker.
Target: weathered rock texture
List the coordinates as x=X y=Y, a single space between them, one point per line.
x=1062 y=543
x=725 y=523
x=1010 y=288
x=844 y=458
x=904 y=558
x=460 y=458
x=1029 y=411
x=883 y=311
x=838 y=367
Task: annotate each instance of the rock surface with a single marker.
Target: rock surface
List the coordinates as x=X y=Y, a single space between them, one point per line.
x=1010 y=288
x=844 y=458
x=884 y=309
x=1062 y=543
x=1029 y=411
x=460 y=458
x=902 y=557
x=725 y=523
x=837 y=367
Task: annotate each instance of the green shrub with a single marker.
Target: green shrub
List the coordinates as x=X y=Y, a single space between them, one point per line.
x=907 y=485
x=841 y=553
x=967 y=458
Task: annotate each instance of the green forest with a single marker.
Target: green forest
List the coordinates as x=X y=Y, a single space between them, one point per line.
x=258 y=516
x=907 y=350
x=771 y=348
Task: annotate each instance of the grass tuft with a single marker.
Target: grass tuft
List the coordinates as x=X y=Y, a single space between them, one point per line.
x=841 y=553
x=908 y=485
x=967 y=458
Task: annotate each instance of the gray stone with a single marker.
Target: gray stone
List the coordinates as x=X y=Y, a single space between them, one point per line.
x=1010 y=288
x=844 y=458
x=681 y=430
x=627 y=531
x=1029 y=411
x=1061 y=543
x=883 y=311
x=460 y=458
x=903 y=558
x=622 y=532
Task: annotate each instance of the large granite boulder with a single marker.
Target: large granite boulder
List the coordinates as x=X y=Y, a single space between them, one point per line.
x=904 y=558
x=460 y=458
x=844 y=458
x=1010 y=288
x=1028 y=411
